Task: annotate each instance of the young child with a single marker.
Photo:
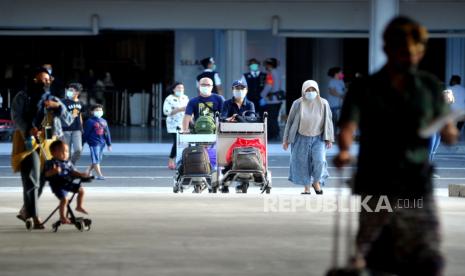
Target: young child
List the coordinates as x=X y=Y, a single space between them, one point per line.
x=97 y=135
x=60 y=172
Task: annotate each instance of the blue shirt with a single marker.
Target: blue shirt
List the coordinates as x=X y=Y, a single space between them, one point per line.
x=204 y=105
x=62 y=178
x=230 y=108
x=96 y=132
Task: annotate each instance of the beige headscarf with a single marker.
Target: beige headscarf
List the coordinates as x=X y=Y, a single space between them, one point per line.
x=311 y=112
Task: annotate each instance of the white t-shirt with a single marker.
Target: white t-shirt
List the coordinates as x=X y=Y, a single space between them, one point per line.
x=339 y=87
x=459 y=95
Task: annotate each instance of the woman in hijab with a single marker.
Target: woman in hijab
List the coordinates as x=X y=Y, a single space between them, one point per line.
x=309 y=131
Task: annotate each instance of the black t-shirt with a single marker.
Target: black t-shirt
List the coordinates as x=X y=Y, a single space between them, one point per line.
x=75 y=108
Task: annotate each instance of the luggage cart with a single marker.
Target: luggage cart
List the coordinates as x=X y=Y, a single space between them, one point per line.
x=198 y=181
x=227 y=133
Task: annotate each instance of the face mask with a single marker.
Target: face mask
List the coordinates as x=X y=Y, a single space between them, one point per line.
x=98 y=114
x=178 y=93
x=213 y=67
x=205 y=91
x=239 y=94
x=341 y=76
x=253 y=67
x=69 y=94
x=310 y=95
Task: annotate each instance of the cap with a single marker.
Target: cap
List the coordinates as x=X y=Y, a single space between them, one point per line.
x=239 y=83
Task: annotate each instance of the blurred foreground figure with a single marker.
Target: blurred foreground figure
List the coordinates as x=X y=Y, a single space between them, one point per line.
x=399 y=227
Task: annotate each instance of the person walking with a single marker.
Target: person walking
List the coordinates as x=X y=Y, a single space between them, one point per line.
x=309 y=131
x=390 y=107
x=37 y=116
x=72 y=135
x=173 y=108
x=97 y=136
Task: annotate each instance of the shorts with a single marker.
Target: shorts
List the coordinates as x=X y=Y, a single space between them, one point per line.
x=61 y=190
x=96 y=153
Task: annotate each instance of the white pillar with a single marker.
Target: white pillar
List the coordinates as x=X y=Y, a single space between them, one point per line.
x=382 y=11
x=235 y=58
x=455 y=58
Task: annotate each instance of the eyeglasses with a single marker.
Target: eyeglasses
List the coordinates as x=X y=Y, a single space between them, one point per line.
x=205 y=85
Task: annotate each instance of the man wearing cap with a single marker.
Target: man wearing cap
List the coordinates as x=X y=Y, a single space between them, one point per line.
x=238 y=104
x=209 y=72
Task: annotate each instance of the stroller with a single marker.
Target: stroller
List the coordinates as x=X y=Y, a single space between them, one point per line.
x=248 y=164
x=194 y=159
x=80 y=223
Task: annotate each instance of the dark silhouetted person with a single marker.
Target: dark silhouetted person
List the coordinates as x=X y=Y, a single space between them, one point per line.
x=390 y=107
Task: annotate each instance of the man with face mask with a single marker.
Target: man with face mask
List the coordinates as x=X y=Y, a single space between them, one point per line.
x=238 y=104
x=390 y=107
x=255 y=81
x=30 y=109
x=206 y=103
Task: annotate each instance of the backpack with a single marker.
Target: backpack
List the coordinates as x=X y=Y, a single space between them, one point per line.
x=195 y=160
x=247 y=158
x=205 y=124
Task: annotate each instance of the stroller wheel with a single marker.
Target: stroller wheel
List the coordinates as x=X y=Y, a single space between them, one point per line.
x=268 y=190
x=29 y=224
x=55 y=226
x=244 y=187
x=197 y=189
x=175 y=189
x=80 y=225
x=87 y=224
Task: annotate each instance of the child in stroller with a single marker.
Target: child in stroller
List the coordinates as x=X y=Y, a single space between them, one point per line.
x=60 y=173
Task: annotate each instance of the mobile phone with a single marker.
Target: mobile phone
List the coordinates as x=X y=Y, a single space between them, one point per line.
x=48 y=132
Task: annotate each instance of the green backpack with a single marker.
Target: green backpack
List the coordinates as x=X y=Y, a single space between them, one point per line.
x=205 y=124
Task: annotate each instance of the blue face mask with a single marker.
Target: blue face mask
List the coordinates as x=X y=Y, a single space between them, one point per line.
x=254 y=67
x=69 y=93
x=213 y=67
x=239 y=93
x=310 y=95
x=98 y=114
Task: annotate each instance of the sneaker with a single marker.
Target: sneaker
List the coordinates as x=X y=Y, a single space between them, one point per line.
x=100 y=177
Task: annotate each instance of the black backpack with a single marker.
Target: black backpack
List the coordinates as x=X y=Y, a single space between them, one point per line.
x=195 y=160
x=247 y=158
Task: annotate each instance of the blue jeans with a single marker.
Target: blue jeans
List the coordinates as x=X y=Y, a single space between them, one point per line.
x=434 y=142
x=308 y=161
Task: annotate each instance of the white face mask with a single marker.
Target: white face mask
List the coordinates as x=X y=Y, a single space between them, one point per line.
x=69 y=93
x=239 y=93
x=310 y=95
x=205 y=91
x=178 y=93
x=98 y=114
